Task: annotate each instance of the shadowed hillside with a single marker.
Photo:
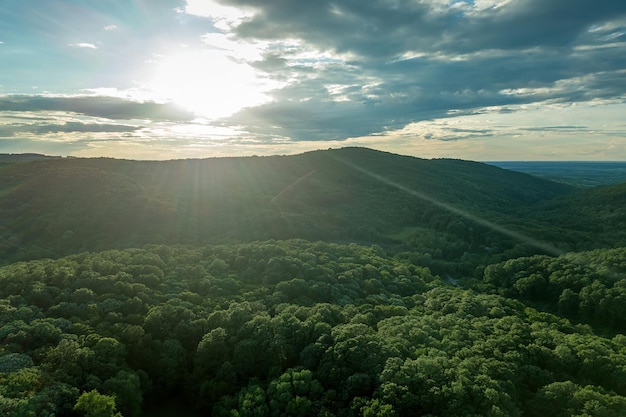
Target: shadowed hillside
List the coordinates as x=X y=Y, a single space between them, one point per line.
x=57 y=206
x=599 y=212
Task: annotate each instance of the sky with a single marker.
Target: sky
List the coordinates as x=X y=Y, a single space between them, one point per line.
x=485 y=80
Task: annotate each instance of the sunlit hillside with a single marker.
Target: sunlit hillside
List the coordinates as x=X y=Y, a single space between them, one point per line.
x=55 y=206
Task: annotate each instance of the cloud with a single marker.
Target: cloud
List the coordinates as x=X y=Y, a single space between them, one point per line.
x=56 y=123
x=223 y=17
x=83 y=45
x=561 y=129
x=52 y=130
x=350 y=68
x=114 y=108
x=38 y=146
x=524 y=132
x=338 y=71
x=70 y=127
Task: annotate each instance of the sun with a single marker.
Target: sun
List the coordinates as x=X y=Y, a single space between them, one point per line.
x=206 y=82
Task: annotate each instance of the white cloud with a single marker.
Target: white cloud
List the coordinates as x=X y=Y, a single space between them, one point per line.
x=490 y=4
x=111 y=27
x=239 y=50
x=586 y=131
x=84 y=45
x=224 y=17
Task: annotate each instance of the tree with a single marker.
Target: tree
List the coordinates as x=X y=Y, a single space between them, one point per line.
x=94 y=404
x=295 y=393
x=125 y=387
x=377 y=408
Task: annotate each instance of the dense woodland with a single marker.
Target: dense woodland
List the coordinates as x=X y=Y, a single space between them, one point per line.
x=335 y=283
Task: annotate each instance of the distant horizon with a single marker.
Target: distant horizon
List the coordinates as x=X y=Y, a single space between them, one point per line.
x=512 y=161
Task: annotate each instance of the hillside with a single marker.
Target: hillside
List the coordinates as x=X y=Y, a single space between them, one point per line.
x=56 y=206
x=588 y=287
x=599 y=212
x=415 y=288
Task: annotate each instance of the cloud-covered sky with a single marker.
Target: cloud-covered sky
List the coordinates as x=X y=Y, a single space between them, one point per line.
x=160 y=79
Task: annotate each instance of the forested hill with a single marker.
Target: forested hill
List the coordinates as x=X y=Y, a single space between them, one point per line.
x=598 y=212
x=21 y=157
x=51 y=207
x=416 y=288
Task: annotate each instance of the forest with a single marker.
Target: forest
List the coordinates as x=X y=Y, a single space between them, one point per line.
x=343 y=282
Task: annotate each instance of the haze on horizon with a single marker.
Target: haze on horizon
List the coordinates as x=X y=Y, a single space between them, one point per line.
x=163 y=79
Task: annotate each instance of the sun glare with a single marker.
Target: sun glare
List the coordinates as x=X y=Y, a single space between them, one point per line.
x=206 y=82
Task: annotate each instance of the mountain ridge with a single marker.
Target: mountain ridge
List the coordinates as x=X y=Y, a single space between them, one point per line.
x=53 y=207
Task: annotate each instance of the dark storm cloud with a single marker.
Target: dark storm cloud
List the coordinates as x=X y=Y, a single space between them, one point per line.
x=381 y=28
x=106 y=107
x=401 y=61
x=530 y=23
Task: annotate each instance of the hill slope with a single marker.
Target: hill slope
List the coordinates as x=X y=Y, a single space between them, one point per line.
x=54 y=207
x=599 y=212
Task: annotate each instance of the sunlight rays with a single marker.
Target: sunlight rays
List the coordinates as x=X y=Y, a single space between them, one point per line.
x=545 y=247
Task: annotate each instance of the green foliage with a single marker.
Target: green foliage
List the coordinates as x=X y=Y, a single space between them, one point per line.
x=292 y=327
x=56 y=206
x=300 y=328
x=565 y=399
x=94 y=404
x=587 y=286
